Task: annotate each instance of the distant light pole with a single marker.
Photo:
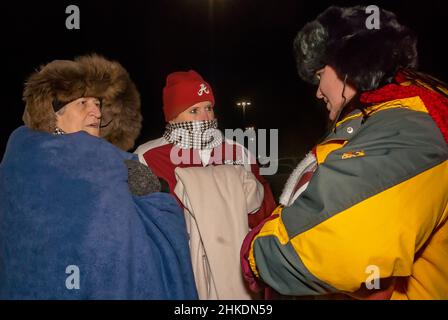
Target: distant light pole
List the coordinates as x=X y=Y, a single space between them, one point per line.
x=244 y=104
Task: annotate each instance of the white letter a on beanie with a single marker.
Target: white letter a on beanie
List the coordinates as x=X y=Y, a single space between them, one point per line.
x=203 y=89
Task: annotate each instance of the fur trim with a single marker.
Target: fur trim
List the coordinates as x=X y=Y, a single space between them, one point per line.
x=90 y=75
x=340 y=38
x=304 y=166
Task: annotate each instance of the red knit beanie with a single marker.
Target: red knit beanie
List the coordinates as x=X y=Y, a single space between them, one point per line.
x=182 y=90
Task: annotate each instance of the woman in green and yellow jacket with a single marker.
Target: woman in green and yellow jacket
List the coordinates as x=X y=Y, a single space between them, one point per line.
x=365 y=213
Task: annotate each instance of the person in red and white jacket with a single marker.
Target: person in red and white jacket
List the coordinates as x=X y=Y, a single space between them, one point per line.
x=190 y=138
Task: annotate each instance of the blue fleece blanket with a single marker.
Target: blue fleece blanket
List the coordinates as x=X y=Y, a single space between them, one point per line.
x=71 y=229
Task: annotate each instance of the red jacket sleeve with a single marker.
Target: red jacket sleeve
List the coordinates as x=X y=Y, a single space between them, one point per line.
x=268 y=205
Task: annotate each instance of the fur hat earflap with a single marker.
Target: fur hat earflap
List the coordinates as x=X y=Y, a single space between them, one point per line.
x=63 y=81
x=370 y=58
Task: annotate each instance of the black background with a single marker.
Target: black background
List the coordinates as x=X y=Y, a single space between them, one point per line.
x=243 y=48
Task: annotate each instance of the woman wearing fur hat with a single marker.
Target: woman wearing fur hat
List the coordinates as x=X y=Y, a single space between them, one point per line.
x=62 y=82
x=365 y=213
x=81 y=218
x=188 y=106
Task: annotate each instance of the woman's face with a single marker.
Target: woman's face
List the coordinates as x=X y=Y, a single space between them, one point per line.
x=82 y=114
x=331 y=90
x=197 y=112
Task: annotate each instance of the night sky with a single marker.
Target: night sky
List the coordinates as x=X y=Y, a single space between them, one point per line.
x=243 y=48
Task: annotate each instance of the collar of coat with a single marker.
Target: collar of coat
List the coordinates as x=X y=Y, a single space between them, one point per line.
x=433 y=93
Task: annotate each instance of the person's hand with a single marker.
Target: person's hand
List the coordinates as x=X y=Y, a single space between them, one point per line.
x=254 y=283
x=141 y=179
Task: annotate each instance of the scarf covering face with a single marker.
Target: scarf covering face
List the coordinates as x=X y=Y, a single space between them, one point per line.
x=194 y=134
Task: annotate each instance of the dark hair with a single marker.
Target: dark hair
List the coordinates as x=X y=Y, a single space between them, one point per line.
x=339 y=37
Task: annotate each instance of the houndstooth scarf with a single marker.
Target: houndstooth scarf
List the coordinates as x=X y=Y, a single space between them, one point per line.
x=194 y=134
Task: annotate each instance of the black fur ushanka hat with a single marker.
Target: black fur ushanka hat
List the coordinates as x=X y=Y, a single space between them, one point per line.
x=340 y=38
x=85 y=76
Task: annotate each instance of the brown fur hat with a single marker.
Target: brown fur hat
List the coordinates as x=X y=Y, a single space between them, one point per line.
x=86 y=76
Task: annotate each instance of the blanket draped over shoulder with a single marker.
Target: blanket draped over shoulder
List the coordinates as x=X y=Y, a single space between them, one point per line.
x=71 y=229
